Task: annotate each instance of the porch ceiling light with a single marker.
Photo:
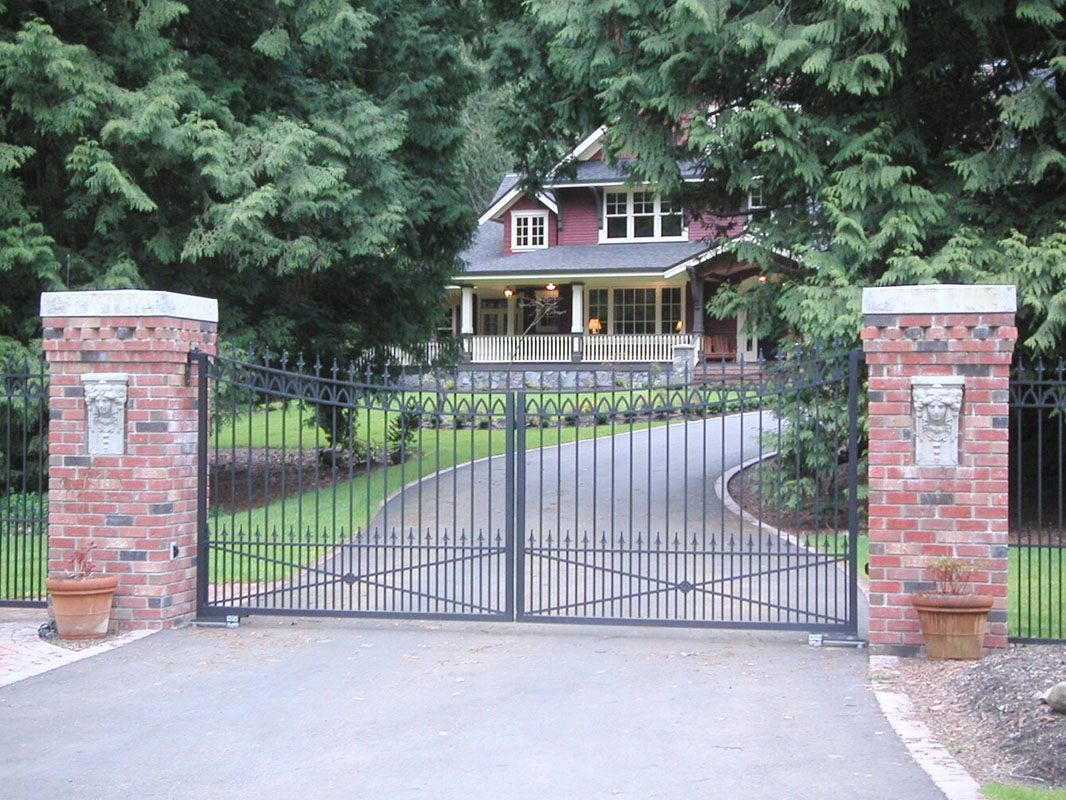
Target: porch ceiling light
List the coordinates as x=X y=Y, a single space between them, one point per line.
x=508 y=292
x=550 y=286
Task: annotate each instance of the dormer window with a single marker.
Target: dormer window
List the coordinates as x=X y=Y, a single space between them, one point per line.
x=529 y=230
x=639 y=215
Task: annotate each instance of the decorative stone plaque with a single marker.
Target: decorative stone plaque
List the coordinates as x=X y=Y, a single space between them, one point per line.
x=936 y=402
x=105 y=404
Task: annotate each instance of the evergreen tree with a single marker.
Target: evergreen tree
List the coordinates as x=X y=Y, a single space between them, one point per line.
x=894 y=141
x=299 y=161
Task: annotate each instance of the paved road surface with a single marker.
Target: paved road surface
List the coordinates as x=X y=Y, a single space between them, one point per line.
x=464 y=711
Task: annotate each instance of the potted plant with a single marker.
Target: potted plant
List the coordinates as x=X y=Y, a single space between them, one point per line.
x=81 y=601
x=953 y=618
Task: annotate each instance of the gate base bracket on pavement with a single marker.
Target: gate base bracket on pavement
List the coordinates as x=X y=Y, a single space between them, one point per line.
x=826 y=640
x=231 y=621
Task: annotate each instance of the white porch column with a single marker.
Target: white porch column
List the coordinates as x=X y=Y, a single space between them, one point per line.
x=466 y=326
x=577 y=308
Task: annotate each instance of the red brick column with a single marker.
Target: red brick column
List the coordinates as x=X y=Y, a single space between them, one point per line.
x=137 y=506
x=912 y=336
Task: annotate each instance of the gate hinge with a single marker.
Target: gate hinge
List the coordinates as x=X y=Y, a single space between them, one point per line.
x=194 y=351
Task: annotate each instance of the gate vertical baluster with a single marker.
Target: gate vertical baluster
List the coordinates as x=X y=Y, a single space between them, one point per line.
x=853 y=490
x=201 y=481
x=1057 y=626
x=723 y=549
x=514 y=539
x=1039 y=530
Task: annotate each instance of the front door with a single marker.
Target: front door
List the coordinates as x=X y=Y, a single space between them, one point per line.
x=493 y=320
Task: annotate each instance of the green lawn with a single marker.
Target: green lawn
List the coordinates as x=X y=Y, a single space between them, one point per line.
x=287 y=425
x=1036 y=592
x=23 y=562
x=997 y=791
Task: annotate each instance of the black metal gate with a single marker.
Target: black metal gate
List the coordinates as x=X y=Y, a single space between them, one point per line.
x=562 y=496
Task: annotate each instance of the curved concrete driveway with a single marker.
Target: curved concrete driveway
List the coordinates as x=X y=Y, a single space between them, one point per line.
x=658 y=480
x=626 y=526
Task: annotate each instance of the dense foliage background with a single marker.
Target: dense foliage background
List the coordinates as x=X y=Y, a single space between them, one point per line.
x=297 y=160
x=318 y=164
x=895 y=141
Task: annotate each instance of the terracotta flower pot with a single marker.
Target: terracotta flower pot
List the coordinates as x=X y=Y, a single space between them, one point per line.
x=953 y=625
x=82 y=605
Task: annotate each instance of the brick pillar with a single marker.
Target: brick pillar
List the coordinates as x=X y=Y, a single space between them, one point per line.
x=922 y=340
x=131 y=487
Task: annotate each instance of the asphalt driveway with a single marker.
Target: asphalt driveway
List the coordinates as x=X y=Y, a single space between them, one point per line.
x=284 y=708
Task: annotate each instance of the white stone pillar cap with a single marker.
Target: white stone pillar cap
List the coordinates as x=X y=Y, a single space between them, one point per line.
x=128 y=303
x=940 y=298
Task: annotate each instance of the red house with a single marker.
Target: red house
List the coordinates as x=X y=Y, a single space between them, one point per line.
x=594 y=269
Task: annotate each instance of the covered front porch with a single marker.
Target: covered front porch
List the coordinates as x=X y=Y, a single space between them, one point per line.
x=602 y=320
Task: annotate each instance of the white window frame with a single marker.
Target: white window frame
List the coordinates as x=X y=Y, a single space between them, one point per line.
x=611 y=321
x=757 y=197
x=528 y=215
x=661 y=320
x=657 y=216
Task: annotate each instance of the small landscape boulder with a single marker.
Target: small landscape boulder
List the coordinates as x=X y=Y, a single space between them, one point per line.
x=1056 y=697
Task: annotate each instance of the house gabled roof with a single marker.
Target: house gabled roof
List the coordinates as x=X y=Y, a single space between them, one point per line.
x=505 y=198
x=584 y=172
x=661 y=260
x=713 y=252
x=485 y=258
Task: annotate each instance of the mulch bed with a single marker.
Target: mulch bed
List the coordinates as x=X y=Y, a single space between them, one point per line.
x=989 y=715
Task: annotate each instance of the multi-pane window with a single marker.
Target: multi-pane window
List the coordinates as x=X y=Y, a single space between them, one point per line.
x=597 y=300
x=634 y=311
x=529 y=230
x=670 y=304
x=617 y=211
x=643 y=215
x=639 y=215
x=670 y=223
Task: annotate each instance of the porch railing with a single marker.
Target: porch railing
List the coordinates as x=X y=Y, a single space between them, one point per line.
x=562 y=348
x=508 y=349
x=633 y=347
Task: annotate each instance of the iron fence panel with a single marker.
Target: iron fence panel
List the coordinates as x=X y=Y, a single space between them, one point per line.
x=1037 y=550
x=23 y=483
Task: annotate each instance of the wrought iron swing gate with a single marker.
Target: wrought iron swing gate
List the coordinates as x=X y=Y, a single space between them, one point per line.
x=550 y=501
